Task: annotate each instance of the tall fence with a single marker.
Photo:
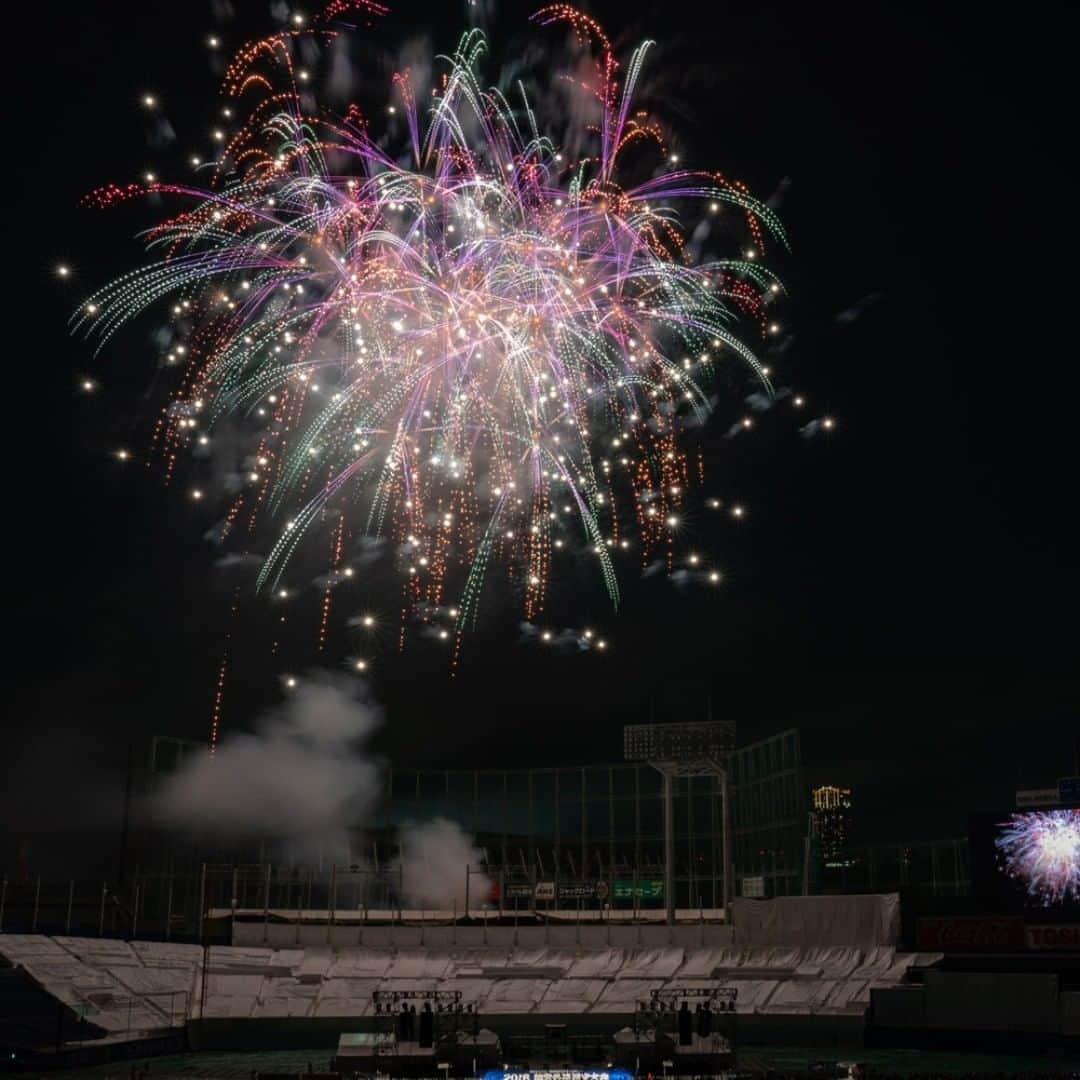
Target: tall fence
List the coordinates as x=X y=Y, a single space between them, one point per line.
x=927 y=868
x=167 y=905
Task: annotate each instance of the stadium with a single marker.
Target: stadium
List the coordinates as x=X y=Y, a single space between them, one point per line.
x=559 y=949
x=534 y=551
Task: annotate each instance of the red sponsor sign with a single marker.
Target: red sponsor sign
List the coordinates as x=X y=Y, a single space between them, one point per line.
x=971 y=933
x=1064 y=937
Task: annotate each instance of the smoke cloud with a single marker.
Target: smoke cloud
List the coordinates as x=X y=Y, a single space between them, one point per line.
x=303 y=773
x=432 y=864
x=306 y=775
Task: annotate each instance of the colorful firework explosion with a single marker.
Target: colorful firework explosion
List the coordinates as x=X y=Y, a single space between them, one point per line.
x=477 y=346
x=1041 y=850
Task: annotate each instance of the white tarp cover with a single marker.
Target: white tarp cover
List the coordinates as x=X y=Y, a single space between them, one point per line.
x=107 y=978
x=346 y=997
x=562 y=1005
x=469 y=962
x=286 y=959
x=230 y=1006
x=19 y=947
x=160 y=983
x=833 y=961
x=129 y=987
x=875 y=963
x=848 y=996
x=701 y=963
x=359 y=964
x=601 y=964
x=233 y=985
x=127 y=1014
x=99 y=952
x=472 y=989
x=902 y=961
x=347 y=988
x=408 y=986
x=572 y=995
x=563 y=959
x=753 y=993
x=514 y=995
x=622 y=995
x=651 y=964
x=418 y=964
x=277 y=1008
x=865 y=921
x=286 y=997
x=340 y=1007
x=166 y=954
x=787 y=958
x=799 y=996
x=248 y=961
x=771 y=959
x=314 y=966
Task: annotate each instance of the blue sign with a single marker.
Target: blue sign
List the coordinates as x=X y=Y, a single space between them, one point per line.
x=558 y=1074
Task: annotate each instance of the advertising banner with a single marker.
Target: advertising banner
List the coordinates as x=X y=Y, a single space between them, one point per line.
x=970 y=933
x=1057 y=937
x=753 y=888
x=638 y=890
x=577 y=890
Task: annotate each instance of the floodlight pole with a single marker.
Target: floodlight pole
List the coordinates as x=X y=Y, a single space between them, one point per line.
x=669 y=842
x=684 y=749
x=725 y=818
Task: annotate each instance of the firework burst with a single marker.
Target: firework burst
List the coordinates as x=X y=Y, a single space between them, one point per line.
x=1041 y=850
x=471 y=345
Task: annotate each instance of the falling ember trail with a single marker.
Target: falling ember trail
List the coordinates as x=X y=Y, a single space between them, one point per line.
x=223 y=670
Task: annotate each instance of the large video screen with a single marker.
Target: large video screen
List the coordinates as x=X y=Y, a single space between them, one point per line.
x=1029 y=857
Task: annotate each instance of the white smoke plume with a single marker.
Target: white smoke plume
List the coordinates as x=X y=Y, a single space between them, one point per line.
x=306 y=776
x=303 y=774
x=432 y=865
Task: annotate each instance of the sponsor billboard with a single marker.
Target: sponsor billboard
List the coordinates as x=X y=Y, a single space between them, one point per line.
x=516 y=890
x=557 y=1074
x=970 y=933
x=1060 y=937
x=652 y=889
x=753 y=887
x=577 y=890
x=1048 y=796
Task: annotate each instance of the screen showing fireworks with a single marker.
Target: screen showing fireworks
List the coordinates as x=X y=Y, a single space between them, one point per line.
x=1034 y=856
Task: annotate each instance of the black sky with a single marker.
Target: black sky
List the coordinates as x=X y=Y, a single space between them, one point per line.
x=903 y=592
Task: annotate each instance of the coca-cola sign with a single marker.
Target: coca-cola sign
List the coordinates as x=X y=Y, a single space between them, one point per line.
x=971 y=933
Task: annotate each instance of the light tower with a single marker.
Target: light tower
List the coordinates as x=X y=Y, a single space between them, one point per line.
x=690 y=749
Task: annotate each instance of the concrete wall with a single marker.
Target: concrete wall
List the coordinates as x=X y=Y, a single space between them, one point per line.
x=992 y=1001
x=391 y=936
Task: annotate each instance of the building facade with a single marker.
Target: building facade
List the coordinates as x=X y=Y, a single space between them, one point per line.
x=832 y=815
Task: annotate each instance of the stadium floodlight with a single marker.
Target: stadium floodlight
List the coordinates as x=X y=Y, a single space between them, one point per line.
x=687 y=747
x=695 y=748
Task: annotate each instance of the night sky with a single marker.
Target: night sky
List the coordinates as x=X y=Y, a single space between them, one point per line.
x=903 y=592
